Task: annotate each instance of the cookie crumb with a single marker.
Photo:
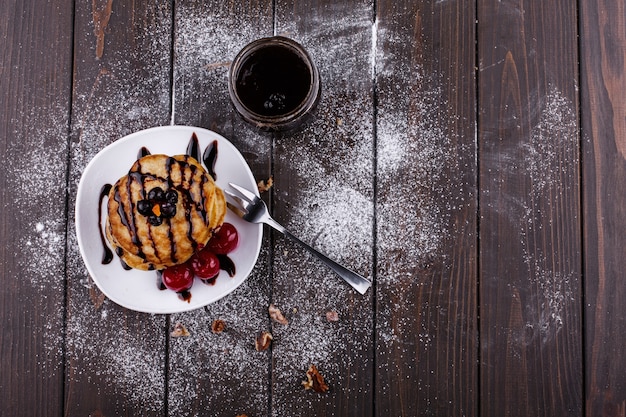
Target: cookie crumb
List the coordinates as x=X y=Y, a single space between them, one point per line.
x=314 y=380
x=277 y=315
x=332 y=316
x=179 y=331
x=218 y=326
x=263 y=341
x=265 y=185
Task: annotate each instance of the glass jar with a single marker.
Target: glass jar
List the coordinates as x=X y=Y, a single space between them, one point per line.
x=274 y=84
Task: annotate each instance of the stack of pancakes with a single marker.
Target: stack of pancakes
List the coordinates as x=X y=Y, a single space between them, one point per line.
x=200 y=210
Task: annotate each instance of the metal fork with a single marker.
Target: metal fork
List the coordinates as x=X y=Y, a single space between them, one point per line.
x=252 y=209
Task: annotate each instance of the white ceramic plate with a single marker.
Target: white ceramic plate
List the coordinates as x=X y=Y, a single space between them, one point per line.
x=137 y=290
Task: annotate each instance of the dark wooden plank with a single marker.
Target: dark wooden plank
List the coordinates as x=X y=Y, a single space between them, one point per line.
x=115 y=357
x=221 y=374
x=603 y=81
x=530 y=243
x=427 y=339
x=35 y=68
x=324 y=176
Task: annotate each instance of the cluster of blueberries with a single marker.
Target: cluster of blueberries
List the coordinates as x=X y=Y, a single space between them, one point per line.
x=159 y=205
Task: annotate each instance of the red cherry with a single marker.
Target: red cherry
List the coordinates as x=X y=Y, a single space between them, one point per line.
x=205 y=264
x=225 y=240
x=178 y=278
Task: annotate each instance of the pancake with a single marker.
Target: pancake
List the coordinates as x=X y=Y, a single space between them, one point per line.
x=162 y=211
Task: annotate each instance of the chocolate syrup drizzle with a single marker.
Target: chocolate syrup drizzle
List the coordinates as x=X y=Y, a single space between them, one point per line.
x=193 y=148
x=209 y=157
x=143 y=152
x=107 y=255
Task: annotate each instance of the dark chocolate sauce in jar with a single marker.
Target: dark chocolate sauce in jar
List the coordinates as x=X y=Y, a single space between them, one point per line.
x=273 y=80
x=274 y=84
x=107 y=255
x=209 y=157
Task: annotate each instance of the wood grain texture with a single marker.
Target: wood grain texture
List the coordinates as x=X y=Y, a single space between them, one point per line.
x=603 y=106
x=324 y=195
x=221 y=374
x=115 y=357
x=34 y=115
x=530 y=244
x=426 y=301
x=453 y=158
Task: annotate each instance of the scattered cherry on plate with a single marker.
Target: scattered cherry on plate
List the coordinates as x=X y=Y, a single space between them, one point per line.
x=178 y=278
x=225 y=240
x=205 y=264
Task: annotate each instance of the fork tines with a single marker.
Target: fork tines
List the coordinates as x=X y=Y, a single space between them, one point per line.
x=240 y=203
x=236 y=209
x=244 y=200
x=247 y=194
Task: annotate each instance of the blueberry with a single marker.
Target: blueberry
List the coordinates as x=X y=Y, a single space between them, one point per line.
x=156 y=194
x=155 y=220
x=144 y=207
x=276 y=101
x=168 y=210
x=171 y=196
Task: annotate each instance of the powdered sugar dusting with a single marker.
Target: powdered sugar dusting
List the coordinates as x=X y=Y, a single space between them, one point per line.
x=338 y=222
x=35 y=180
x=332 y=162
x=128 y=90
x=224 y=364
x=207 y=39
x=555 y=132
x=413 y=161
x=545 y=165
x=555 y=291
x=124 y=356
x=548 y=167
x=219 y=374
x=334 y=159
x=45 y=244
x=340 y=350
x=333 y=210
x=421 y=198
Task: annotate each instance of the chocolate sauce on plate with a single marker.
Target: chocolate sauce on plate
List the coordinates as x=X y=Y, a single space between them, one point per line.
x=107 y=255
x=160 y=284
x=143 y=152
x=227 y=264
x=193 y=148
x=209 y=157
x=185 y=295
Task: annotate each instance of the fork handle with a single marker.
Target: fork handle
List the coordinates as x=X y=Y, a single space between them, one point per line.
x=358 y=282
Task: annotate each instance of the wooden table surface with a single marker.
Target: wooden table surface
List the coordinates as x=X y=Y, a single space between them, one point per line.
x=468 y=156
